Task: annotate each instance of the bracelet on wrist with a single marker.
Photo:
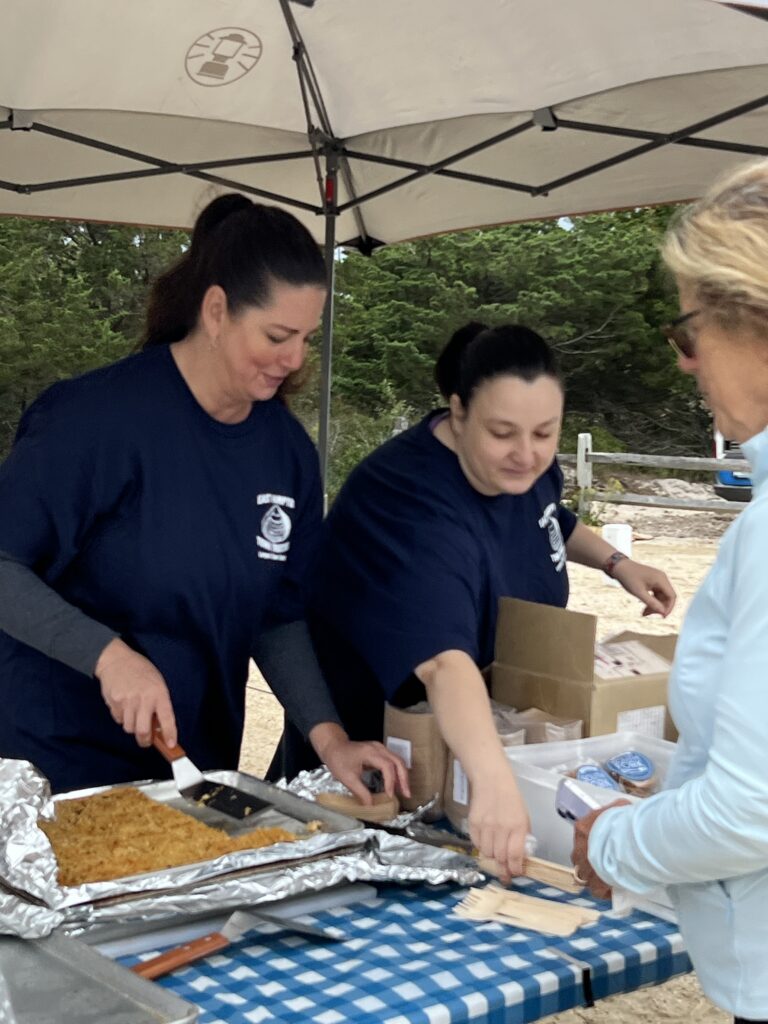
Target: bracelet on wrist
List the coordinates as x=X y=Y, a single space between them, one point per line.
x=609 y=565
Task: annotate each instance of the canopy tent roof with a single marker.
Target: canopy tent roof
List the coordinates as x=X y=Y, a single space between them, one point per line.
x=140 y=112
x=374 y=120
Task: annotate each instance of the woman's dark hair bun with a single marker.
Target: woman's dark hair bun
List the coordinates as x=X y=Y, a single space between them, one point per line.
x=448 y=365
x=476 y=353
x=214 y=213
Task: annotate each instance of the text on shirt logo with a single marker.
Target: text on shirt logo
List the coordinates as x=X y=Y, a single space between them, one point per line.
x=551 y=524
x=276 y=526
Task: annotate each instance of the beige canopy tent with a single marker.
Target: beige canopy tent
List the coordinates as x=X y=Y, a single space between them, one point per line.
x=374 y=120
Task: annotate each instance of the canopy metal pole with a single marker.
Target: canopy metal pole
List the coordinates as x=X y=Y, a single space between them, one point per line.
x=335 y=164
x=326 y=351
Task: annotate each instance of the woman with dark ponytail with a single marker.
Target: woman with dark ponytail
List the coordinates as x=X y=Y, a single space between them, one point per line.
x=157 y=521
x=425 y=537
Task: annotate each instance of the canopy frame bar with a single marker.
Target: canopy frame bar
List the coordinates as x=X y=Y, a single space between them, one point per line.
x=160 y=167
x=655 y=140
x=661 y=141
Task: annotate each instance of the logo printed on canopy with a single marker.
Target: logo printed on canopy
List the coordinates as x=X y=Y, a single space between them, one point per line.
x=222 y=55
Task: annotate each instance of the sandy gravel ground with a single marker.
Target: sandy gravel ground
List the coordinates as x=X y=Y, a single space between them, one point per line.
x=683 y=544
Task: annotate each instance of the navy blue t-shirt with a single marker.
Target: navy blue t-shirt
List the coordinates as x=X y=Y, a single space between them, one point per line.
x=186 y=536
x=413 y=562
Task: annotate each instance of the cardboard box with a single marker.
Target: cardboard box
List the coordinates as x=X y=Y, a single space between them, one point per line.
x=545 y=658
x=416 y=738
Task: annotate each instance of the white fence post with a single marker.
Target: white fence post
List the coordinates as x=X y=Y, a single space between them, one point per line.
x=584 y=470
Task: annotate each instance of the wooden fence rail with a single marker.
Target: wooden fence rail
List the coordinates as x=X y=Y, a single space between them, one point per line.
x=585 y=459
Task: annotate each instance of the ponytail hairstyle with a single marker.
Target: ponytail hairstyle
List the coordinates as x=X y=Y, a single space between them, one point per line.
x=476 y=353
x=243 y=247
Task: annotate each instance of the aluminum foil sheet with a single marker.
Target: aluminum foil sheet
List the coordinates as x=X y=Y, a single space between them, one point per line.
x=32 y=903
x=384 y=858
x=27 y=864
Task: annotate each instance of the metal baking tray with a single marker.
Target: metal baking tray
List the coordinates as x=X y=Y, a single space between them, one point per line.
x=59 y=980
x=286 y=810
x=32 y=903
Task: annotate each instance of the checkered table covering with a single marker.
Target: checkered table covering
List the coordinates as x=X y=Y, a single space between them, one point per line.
x=409 y=960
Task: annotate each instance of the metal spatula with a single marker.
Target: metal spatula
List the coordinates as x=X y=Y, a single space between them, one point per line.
x=201 y=791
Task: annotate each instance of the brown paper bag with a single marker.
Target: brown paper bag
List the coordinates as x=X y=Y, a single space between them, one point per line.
x=416 y=738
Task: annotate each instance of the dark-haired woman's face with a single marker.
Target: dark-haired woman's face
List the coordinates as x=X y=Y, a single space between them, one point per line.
x=508 y=435
x=261 y=346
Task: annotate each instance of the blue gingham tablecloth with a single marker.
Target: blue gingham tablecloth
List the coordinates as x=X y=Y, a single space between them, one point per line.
x=409 y=960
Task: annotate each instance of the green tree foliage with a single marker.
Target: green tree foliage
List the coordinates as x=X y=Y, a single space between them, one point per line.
x=72 y=297
x=393 y=313
x=595 y=289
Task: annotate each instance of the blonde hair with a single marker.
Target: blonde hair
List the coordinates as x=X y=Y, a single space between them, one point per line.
x=719 y=248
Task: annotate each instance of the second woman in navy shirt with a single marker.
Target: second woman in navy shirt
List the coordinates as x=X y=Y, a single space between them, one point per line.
x=425 y=537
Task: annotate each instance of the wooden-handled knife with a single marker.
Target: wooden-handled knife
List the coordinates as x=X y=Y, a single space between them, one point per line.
x=236 y=926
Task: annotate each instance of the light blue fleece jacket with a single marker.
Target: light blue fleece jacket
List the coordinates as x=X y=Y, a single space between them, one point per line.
x=706 y=835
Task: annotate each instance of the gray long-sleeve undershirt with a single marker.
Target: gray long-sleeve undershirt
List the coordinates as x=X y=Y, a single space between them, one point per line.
x=32 y=612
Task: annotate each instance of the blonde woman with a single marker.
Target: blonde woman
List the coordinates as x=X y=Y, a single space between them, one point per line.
x=706 y=835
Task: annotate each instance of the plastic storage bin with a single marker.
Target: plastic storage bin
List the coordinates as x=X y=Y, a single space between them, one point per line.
x=535 y=766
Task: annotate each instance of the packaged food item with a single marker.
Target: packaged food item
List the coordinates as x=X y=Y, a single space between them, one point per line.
x=595 y=775
x=513 y=738
x=543 y=727
x=634 y=772
x=588 y=770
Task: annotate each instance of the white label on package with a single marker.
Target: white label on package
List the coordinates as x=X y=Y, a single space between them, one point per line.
x=400 y=747
x=460 y=784
x=646 y=721
x=627 y=658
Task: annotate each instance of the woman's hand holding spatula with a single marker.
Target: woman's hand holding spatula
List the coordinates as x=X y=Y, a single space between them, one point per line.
x=135 y=693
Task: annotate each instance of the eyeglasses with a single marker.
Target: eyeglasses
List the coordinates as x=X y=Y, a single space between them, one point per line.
x=678 y=335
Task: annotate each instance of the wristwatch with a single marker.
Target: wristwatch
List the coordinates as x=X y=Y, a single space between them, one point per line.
x=609 y=565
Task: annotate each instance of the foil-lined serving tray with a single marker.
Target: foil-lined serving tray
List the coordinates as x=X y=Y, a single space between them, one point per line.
x=286 y=811
x=32 y=903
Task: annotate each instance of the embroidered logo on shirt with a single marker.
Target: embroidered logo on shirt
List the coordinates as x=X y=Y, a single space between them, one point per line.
x=551 y=524
x=276 y=526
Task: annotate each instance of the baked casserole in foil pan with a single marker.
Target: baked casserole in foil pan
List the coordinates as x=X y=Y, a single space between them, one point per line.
x=329 y=849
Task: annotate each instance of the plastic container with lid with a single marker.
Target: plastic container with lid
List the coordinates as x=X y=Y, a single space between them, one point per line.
x=536 y=768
